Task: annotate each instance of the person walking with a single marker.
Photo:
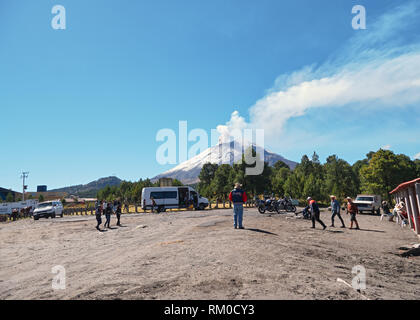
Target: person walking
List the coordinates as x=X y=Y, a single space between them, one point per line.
x=118 y=212
x=153 y=204
x=353 y=211
x=315 y=213
x=108 y=212
x=238 y=197
x=335 y=209
x=98 y=213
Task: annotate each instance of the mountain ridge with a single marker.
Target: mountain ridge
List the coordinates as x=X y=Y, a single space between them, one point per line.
x=223 y=153
x=90 y=189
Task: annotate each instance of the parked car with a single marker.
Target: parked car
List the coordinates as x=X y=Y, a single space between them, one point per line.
x=48 y=209
x=368 y=203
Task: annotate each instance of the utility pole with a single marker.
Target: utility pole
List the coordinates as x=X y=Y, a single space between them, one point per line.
x=23 y=177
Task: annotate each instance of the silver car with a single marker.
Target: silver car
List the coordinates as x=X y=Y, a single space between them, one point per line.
x=48 y=209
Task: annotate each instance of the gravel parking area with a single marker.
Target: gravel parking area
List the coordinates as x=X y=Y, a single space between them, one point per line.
x=198 y=255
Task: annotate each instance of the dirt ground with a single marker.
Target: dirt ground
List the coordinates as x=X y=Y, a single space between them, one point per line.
x=198 y=255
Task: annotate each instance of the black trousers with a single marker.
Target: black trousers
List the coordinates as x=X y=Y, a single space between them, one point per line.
x=118 y=218
x=315 y=217
x=337 y=213
x=99 y=220
x=108 y=220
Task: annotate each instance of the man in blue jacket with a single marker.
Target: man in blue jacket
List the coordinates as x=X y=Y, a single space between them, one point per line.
x=335 y=209
x=238 y=197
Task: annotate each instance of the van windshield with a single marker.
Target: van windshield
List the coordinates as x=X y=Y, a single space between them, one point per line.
x=364 y=199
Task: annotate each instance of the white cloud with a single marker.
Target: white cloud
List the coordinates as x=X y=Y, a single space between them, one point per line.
x=372 y=69
x=387 y=147
x=417 y=156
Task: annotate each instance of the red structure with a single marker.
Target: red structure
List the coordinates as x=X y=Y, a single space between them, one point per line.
x=409 y=193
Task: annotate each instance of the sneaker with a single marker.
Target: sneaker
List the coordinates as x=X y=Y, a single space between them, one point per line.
x=235 y=227
x=325 y=227
x=332 y=226
x=241 y=228
x=343 y=226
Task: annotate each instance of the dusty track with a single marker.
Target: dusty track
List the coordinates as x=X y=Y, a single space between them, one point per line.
x=198 y=255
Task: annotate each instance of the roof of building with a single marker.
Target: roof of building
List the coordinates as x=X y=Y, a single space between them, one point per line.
x=405 y=185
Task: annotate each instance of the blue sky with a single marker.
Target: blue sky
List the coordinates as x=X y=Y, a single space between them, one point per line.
x=87 y=102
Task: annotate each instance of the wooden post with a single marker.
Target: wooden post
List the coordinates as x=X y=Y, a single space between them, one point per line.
x=415 y=207
x=408 y=207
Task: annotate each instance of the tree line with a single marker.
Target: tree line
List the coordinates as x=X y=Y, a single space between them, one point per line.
x=379 y=173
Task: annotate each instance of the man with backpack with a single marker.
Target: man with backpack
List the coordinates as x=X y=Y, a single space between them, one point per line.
x=315 y=213
x=238 y=197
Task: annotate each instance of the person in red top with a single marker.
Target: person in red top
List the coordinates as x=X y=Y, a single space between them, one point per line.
x=238 y=197
x=353 y=210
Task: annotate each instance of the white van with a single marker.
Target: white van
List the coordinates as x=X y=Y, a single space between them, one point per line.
x=48 y=209
x=172 y=198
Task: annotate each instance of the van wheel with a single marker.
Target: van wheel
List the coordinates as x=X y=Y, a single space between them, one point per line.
x=36 y=218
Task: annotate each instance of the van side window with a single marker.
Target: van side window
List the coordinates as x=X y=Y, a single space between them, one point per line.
x=164 y=194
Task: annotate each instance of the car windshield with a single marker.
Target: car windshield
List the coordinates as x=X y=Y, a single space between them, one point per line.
x=364 y=199
x=44 y=205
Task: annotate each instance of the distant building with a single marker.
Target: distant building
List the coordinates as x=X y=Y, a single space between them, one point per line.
x=4 y=192
x=41 y=189
x=46 y=195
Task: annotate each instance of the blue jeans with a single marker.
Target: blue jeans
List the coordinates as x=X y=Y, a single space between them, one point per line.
x=238 y=212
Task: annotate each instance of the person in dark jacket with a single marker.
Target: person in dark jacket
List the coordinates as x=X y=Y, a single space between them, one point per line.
x=108 y=212
x=315 y=213
x=154 y=205
x=335 y=210
x=238 y=197
x=118 y=212
x=98 y=213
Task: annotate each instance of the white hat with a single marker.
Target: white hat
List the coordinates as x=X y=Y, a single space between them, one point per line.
x=309 y=198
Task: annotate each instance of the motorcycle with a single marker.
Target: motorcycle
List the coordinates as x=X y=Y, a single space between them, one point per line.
x=286 y=204
x=269 y=205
